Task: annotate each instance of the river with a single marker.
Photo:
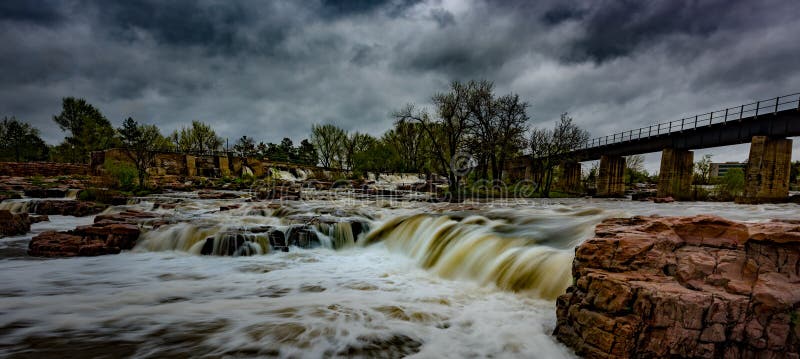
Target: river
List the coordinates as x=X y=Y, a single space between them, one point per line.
x=426 y=281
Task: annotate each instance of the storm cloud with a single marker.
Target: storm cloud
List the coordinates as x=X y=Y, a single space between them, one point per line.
x=271 y=69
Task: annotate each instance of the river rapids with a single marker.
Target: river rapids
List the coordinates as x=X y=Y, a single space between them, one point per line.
x=388 y=279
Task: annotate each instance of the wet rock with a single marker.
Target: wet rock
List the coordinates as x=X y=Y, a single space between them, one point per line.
x=684 y=287
x=93 y=240
x=643 y=195
x=41 y=218
x=303 y=236
x=13 y=224
x=46 y=192
x=66 y=207
x=110 y=234
x=216 y=195
x=663 y=200
x=4 y=195
x=131 y=217
x=288 y=192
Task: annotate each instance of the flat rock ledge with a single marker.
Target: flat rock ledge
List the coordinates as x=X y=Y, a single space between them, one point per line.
x=691 y=287
x=109 y=234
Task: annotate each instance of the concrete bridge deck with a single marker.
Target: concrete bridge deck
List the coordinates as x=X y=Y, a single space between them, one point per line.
x=774 y=118
x=765 y=124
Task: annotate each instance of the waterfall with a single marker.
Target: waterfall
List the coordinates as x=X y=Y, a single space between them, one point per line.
x=72 y=193
x=477 y=248
x=19 y=206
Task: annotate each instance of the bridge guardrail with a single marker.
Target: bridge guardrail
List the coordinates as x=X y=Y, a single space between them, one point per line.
x=730 y=114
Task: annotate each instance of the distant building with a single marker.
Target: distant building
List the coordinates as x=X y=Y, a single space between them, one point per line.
x=720 y=169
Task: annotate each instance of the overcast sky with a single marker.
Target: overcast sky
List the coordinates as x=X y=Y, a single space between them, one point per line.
x=272 y=69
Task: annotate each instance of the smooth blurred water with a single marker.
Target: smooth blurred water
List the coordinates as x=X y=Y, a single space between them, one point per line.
x=388 y=299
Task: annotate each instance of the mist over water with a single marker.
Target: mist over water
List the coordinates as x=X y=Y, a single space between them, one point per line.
x=422 y=280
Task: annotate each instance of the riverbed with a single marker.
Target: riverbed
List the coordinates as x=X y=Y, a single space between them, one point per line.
x=426 y=281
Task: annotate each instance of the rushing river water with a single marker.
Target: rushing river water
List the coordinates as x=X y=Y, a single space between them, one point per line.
x=425 y=280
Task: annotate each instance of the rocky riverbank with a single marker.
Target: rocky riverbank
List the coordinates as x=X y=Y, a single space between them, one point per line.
x=700 y=287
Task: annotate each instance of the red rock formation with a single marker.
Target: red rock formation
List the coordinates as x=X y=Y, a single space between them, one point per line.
x=110 y=234
x=699 y=287
x=12 y=224
x=67 y=207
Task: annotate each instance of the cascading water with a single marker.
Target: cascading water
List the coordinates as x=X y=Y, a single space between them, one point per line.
x=492 y=252
x=430 y=285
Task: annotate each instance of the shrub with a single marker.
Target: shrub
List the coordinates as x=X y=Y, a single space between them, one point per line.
x=731 y=185
x=123 y=174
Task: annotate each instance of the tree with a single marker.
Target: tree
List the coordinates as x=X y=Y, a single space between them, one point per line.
x=484 y=128
x=409 y=147
x=731 y=185
x=447 y=130
x=141 y=143
x=512 y=123
x=89 y=129
x=245 y=147
x=19 y=141
x=634 y=170
x=306 y=153
x=329 y=141
x=550 y=148
x=356 y=143
x=703 y=170
x=287 y=148
x=198 y=138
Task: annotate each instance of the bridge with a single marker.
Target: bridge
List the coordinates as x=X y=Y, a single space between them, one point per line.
x=764 y=124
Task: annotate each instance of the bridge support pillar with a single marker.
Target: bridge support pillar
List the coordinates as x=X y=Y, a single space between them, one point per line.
x=767 y=173
x=571 y=176
x=610 y=176
x=675 y=177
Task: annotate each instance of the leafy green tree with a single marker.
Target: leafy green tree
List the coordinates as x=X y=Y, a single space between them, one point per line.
x=141 y=143
x=702 y=170
x=197 y=138
x=89 y=129
x=409 y=147
x=731 y=185
x=329 y=141
x=306 y=153
x=19 y=141
x=356 y=143
x=245 y=147
x=634 y=170
x=288 y=150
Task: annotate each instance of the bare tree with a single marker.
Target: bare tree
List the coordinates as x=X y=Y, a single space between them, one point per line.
x=512 y=123
x=551 y=148
x=447 y=129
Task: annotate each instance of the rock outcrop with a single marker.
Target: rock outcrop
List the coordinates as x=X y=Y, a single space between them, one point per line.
x=66 y=207
x=13 y=224
x=110 y=234
x=699 y=287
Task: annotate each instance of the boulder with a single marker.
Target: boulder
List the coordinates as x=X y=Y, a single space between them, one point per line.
x=13 y=224
x=302 y=236
x=39 y=192
x=66 y=207
x=110 y=234
x=663 y=200
x=693 y=287
x=216 y=195
x=40 y=218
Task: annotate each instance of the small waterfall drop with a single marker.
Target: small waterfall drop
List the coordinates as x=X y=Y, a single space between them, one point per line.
x=475 y=248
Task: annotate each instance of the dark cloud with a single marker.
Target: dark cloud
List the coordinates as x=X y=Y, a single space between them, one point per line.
x=34 y=12
x=271 y=69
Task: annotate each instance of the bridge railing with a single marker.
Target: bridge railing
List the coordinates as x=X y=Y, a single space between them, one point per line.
x=730 y=114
